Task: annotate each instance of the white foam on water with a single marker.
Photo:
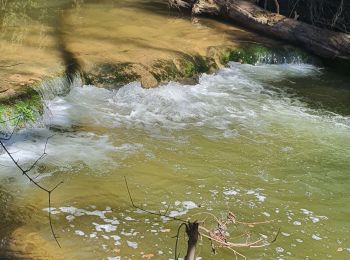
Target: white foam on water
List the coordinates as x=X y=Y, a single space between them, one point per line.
x=314 y=218
x=72 y=213
x=316 y=237
x=79 y=233
x=297 y=223
x=105 y=227
x=189 y=205
x=230 y=192
x=235 y=95
x=65 y=151
x=182 y=209
x=232 y=103
x=132 y=244
x=77 y=212
x=279 y=249
x=257 y=193
x=266 y=214
x=62 y=149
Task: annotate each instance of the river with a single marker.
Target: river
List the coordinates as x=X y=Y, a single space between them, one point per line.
x=267 y=142
x=232 y=142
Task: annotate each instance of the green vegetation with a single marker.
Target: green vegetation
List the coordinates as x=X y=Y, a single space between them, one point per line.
x=25 y=110
x=191 y=66
x=255 y=53
x=185 y=67
x=188 y=68
x=249 y=54
x=164 y=70
x=112 y=74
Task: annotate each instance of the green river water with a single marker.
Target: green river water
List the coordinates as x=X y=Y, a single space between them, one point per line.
x=233 y=142
x=267 y=142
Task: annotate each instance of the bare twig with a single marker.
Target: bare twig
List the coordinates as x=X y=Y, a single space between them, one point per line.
x=277 y=234
x=191 y=227
x=25 y=172
x=218 y=236
x=177 y=239
x=149 y=211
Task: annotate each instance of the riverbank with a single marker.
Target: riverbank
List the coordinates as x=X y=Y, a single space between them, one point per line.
x=106 y=48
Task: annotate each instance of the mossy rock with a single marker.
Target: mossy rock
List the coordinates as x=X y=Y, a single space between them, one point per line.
x=250 y=55
x=164 y=70
x=182 y=69
x=188 y=68
x=111 y=74
x=191 y=66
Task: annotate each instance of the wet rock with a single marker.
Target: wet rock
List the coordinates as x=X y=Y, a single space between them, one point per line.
x=111 y=74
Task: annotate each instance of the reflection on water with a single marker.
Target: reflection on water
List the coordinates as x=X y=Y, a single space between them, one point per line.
x=43 y=39
x=232 y=142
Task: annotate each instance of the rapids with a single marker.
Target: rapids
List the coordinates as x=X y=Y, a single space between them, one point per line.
x=243 y=139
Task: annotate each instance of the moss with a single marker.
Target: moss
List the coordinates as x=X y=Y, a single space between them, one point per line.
x=25 y=112
x=202 y=64
x=3 y=113
x=26 y=109
x=192 y=66
x=111 y=74
x=240 y=55
x=188 y=68
x=250 y=55
x=115 y=75
x=164 y=70
x=224 y=56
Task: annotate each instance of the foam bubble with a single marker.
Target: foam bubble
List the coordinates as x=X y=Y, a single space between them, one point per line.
x=132 y=244
x=105 y=227
x=79 y=233
x=316 y=237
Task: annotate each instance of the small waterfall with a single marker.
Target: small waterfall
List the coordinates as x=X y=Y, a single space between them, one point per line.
x=33 y=111
x=285 y=56
x=59 y=86
x=50 y=89
x=273 y=58
x=258 y=54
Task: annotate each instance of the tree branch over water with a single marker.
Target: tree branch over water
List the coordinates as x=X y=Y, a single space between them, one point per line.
x=26 y=172
x=150 y=211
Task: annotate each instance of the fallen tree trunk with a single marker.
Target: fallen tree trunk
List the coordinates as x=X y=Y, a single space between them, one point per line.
x=322 y=42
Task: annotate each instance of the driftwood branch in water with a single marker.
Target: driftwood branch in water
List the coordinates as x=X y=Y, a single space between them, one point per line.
x=322 y=42
x=191 y=227
x=219 y=236
x=25 y=172
x=192 y=234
